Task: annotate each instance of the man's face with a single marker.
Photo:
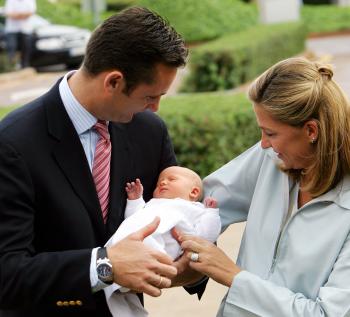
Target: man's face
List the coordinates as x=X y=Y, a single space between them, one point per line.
x=122 y=107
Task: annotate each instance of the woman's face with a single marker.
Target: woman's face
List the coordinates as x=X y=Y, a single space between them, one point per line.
x=292 y=144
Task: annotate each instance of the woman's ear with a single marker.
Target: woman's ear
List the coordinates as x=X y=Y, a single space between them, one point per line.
x=113 y=80
x=311 y=127
x=195 y=193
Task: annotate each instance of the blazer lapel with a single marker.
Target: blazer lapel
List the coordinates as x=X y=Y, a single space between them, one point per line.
x=120 y=166
x=70 y=156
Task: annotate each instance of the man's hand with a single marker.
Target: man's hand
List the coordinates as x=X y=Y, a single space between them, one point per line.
x=139 y=267
x=134 y=190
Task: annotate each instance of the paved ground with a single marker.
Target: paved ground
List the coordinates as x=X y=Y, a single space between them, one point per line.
x=335 y=50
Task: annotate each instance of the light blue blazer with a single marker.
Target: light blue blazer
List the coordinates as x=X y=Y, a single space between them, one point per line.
x=301 y=269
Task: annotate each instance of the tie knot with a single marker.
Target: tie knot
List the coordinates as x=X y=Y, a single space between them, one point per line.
x=102 y=129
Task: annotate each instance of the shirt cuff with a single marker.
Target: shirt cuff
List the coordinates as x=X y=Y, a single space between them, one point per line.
x=135 y=202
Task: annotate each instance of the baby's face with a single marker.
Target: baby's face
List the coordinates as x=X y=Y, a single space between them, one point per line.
x=174 y=182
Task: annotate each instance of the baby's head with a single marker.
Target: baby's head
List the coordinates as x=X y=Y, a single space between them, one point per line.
x=178 y=182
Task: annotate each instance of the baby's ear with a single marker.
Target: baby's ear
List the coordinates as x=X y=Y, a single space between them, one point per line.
x=195 y=193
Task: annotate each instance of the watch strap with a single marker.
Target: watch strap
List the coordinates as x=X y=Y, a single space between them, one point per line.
x=101 y=253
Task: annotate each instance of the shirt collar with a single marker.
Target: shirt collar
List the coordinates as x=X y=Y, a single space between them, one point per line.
x=82 y=119
x=340 y=195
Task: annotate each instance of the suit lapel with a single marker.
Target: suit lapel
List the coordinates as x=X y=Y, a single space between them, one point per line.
x=70 y=156
x=120 y=166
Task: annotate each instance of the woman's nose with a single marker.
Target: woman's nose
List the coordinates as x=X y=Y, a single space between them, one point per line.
x=265 y=143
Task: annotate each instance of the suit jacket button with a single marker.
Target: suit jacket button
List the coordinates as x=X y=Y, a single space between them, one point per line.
x=65 y=303
x=79 y=302
x=72 y=303
x=59 y=303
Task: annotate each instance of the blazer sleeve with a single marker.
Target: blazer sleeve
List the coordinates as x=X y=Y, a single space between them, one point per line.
x=27 y=278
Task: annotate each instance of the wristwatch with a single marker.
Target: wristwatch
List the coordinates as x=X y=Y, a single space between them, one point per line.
x=104 y=267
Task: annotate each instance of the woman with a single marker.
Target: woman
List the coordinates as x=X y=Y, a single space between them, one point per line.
x=293 y=188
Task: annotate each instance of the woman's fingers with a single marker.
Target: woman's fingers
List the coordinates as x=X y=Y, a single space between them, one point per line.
x=195 y=246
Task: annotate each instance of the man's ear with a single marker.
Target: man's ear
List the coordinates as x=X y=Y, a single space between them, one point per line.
x=113 y=80
x=311 y=128
x=195 y=193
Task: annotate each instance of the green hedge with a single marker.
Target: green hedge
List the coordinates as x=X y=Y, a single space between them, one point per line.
x=234 y=59
x=325 y=18
x=205 y=19
x=209 y=129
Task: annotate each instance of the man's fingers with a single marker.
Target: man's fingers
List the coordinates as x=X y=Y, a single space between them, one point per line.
x=151 y=290
x=160 y=281
x=146 y=231
x=166 y=270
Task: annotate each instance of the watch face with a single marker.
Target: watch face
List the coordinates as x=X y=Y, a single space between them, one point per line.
x=105 y=272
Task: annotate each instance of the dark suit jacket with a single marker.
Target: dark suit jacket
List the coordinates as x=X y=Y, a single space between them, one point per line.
x=50 y=217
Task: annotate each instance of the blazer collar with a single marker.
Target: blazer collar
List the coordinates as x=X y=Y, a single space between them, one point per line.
x=70 y=157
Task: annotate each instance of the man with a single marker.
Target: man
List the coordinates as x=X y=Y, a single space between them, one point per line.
x=18 y=29
x=64 y=161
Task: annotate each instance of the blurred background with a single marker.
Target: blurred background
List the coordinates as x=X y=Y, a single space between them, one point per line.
x=207 y=112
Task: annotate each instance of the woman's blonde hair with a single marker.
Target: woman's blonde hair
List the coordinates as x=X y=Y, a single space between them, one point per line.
x=295 y=91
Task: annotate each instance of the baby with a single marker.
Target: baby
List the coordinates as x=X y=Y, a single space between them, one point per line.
x=176 y=202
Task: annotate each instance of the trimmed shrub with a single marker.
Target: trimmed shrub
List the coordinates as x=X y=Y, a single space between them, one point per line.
x=234 y=59
x=325 y=18
x=209 y=129
x=205 y=19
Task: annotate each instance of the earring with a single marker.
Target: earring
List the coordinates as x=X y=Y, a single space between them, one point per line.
x=313 y=141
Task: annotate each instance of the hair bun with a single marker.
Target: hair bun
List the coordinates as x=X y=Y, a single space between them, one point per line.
x=325 y=70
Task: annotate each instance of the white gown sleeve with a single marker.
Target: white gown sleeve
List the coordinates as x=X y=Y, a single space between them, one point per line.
x=133 y=205
x=209 y=225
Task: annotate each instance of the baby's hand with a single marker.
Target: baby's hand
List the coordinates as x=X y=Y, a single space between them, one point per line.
x=134 y=189
x=210 y=202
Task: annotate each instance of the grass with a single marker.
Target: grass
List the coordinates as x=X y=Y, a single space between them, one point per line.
x=5 y=110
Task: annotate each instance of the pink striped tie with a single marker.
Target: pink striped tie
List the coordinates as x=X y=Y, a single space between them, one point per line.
x=101 y=166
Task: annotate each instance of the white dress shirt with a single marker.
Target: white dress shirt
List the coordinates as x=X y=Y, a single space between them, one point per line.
x=17 y=7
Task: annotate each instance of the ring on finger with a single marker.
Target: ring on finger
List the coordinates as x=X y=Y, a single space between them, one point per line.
x=160 y=281
x=194 y=257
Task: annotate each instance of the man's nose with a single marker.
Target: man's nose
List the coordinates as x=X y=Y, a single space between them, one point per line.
x=154 y=105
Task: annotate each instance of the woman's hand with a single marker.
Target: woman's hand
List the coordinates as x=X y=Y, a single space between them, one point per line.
x=212 y=261
x=186 y=276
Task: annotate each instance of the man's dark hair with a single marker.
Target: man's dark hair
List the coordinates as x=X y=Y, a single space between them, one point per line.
x=134 y=41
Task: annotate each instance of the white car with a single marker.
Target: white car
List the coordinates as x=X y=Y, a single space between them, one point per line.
x=53 y=43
